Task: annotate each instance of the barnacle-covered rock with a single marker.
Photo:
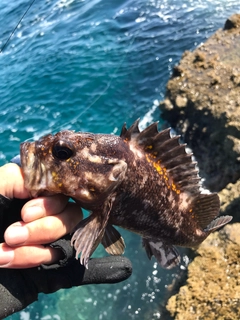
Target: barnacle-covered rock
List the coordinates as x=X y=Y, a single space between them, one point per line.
x=213 y=286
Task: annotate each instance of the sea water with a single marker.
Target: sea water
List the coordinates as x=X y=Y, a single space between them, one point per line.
x=91 y=66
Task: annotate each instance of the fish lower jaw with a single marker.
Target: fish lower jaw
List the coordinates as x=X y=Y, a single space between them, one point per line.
x=38 y=181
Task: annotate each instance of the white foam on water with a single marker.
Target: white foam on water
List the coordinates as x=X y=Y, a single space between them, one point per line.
x=24 y=315
x=148 y=117
x=64 y=3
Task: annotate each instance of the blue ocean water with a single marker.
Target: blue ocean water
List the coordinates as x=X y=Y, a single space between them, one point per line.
x=92 y=65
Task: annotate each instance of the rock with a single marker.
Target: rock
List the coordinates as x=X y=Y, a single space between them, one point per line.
x=232 y=22
x=212 y=290
x=230 y=201
x=203 y=104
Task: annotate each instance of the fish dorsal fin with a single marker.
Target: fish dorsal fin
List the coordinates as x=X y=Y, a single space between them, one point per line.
x=128 y=134
x=166 y=154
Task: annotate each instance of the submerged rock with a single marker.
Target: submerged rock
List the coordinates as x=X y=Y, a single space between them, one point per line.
x=213 y=286
x=203 y=104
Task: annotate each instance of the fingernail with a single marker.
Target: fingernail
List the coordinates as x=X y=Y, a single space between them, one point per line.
x=16 y=235
x=32 y=213
x=6 y=256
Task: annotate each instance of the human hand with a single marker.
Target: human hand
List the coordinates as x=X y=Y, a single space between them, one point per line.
x=44 y=220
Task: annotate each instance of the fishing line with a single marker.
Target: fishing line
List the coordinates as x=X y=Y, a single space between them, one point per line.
x=12 y=33
x=105 y=89
x=61 y=126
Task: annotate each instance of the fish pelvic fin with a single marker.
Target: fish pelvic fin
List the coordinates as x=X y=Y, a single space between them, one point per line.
x=167 y=255
x=90 y=231
x=113 y=241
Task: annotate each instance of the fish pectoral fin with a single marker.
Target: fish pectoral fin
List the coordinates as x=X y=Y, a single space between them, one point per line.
x=86 y=238
x=113 y=241
x=90 y=231
x=167 y=255
x=218 y=223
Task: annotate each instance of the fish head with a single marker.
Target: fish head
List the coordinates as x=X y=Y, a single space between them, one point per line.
x=79 y=165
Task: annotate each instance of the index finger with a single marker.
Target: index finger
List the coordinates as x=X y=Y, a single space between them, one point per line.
x=43 y=206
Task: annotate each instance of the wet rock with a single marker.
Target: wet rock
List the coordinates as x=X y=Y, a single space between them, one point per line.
x=203 y=104
x=212 y=290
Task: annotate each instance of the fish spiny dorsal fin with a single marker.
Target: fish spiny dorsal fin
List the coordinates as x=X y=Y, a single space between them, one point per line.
x=128 y=134
x=205 y=208
x=146 y=137
x=124 y=130
x=168 y=154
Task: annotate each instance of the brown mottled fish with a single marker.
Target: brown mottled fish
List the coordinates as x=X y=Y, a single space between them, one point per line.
x=143 y=181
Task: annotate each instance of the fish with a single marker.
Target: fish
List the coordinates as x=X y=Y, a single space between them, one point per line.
x=142 y=181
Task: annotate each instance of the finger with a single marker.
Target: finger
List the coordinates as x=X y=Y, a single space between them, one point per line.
x=111 y=269
x=43 y=206
x=44 y=230
x=12 y=182
x=27 y=256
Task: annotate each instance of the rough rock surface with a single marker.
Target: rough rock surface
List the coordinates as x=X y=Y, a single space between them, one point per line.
x=230 y=201
x=203 y=104
x=212 y=290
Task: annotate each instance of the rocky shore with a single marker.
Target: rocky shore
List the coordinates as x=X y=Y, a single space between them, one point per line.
x=202 y=103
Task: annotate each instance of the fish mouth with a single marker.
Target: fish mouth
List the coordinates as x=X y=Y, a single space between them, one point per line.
x=34 y=170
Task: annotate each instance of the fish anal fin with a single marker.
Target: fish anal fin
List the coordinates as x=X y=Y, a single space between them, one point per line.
x=218 y=223
x=167 y=255
x=113 y=241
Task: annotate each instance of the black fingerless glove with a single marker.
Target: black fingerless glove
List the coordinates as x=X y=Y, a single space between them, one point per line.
x=20 y=287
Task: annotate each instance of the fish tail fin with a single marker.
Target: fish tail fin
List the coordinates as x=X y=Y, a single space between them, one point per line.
x=218 y=223
x=113 y=241
x=167 y=255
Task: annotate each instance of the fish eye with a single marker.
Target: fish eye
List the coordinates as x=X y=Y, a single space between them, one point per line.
x=62 y=150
